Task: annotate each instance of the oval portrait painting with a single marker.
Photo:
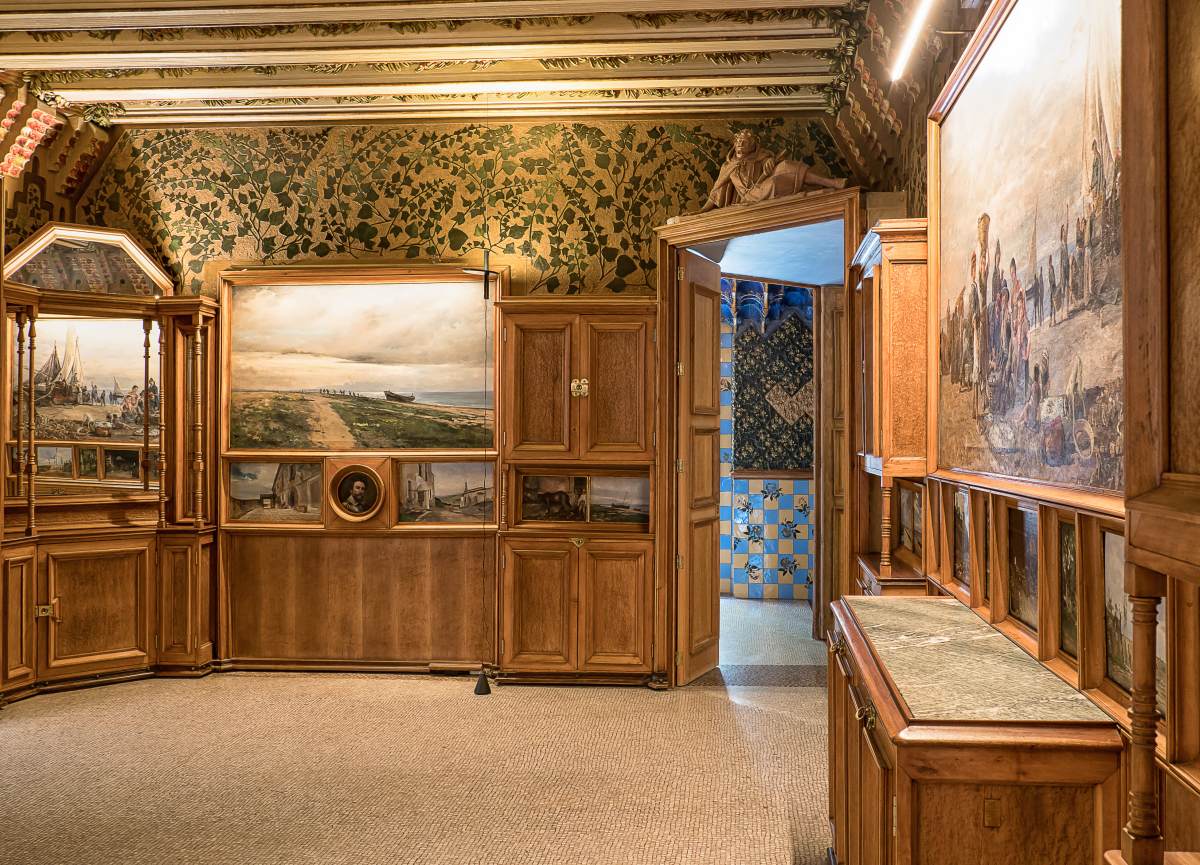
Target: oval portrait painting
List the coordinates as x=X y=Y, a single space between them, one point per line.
x=357 y=493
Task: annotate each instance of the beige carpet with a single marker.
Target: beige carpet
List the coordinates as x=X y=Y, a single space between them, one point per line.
x=280 y=768
x=290 y=768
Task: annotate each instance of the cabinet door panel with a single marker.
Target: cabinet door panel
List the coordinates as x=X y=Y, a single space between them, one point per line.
x=538 y=410
x=176 y=603
x=616 y=359
x=17 y=601
x=102 y=611
x=616 y=585
x=539 y=617
x=876 y=802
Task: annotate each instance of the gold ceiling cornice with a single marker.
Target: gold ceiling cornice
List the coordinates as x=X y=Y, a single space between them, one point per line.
x=204 y=62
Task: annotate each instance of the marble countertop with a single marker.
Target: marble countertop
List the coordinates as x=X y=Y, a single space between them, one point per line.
x=949 y=665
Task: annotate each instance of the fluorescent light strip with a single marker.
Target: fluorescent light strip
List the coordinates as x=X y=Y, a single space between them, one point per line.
x=910 y=38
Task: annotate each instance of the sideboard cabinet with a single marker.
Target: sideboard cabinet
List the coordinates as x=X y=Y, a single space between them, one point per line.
x=576 y=605
x=949 y=744
x=577 y=385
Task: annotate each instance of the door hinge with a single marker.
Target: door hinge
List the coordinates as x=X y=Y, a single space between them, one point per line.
x=678 y=562
x=679 y=466
x=679 y=273
x=679 y=368
x=43 y=611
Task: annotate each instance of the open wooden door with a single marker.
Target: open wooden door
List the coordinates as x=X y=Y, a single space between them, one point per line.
x=698 y=470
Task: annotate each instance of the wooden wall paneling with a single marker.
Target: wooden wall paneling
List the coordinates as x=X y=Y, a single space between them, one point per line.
x=540 y=416
x=616 y=358
x=102 y=596
x=540 y=605
x=18 y=587
x=463 y=611
x=616 y=586
x=177 y=600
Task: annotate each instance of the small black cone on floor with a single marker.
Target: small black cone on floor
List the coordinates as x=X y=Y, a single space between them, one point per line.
x=481 y=684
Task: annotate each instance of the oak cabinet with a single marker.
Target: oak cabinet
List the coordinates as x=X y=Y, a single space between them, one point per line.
x=949 y=744
x=577 y=386
x=890 y=328
x=184 y=602
x=17 y=606
x=100 y=615
x=577 y=605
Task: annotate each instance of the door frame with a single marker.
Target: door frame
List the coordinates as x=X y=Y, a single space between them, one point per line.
x=724 y=224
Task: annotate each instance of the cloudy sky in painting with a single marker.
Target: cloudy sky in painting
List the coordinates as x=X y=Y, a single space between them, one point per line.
x=367 y=338
x=1016 y=141
x=108 y=347
x=632 y=491
x=251 y=480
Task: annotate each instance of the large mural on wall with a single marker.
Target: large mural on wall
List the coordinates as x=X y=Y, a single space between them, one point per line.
x=1030 y=303
x=570 y=207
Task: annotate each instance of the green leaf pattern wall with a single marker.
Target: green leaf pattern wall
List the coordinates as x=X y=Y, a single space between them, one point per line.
x=570 y=207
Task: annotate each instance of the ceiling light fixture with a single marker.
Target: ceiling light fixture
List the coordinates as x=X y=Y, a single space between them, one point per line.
x=910 y=38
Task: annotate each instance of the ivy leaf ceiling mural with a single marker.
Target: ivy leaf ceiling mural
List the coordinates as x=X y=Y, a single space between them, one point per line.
x=167 y=62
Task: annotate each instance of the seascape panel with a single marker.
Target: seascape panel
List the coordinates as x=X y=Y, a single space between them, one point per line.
x=1030 y=359
x=350 y=367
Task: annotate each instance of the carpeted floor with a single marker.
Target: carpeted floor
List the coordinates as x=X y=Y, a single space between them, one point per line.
x=312 y=769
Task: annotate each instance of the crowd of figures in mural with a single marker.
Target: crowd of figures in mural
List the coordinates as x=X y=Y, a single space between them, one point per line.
x=93 y=385
x=1031 y=298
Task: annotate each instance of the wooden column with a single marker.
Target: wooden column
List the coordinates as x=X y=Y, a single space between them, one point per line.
x=147 y=324
x=885 y=525
x=1142 y=843
x=31 y=450
x=162 y=428
x=19 y=395
x=198 y=421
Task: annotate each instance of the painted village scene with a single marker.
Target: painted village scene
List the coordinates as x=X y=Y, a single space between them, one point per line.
x=90 y=381
x=275 y=492
x=459 y=492
x=1031 y=300
x=344 y=367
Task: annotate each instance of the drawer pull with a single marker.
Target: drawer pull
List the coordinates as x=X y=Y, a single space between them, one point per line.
x=866 y=715
x=838 y=646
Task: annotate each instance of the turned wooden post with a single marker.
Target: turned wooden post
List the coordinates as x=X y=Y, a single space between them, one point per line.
x=885 y=541
x=162 y=428
x=19 y=395
x=1141 y=842
x=198 y=421
x=31 y=453
x=146 y=325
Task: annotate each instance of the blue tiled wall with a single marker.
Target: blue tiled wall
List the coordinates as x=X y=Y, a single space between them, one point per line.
x=766 y=525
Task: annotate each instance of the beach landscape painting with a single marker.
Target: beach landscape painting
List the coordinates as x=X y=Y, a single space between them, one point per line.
x=1030 y=299
x=351 y=367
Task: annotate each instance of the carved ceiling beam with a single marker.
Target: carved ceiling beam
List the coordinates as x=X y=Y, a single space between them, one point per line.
x=101 y=14
x=452 y=87
x=49 y=58
x=738 y=105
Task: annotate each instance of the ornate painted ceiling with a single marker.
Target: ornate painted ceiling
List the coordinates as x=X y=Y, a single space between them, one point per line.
x=190 y=62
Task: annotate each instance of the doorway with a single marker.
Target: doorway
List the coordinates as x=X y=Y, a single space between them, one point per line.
x=787 y=259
